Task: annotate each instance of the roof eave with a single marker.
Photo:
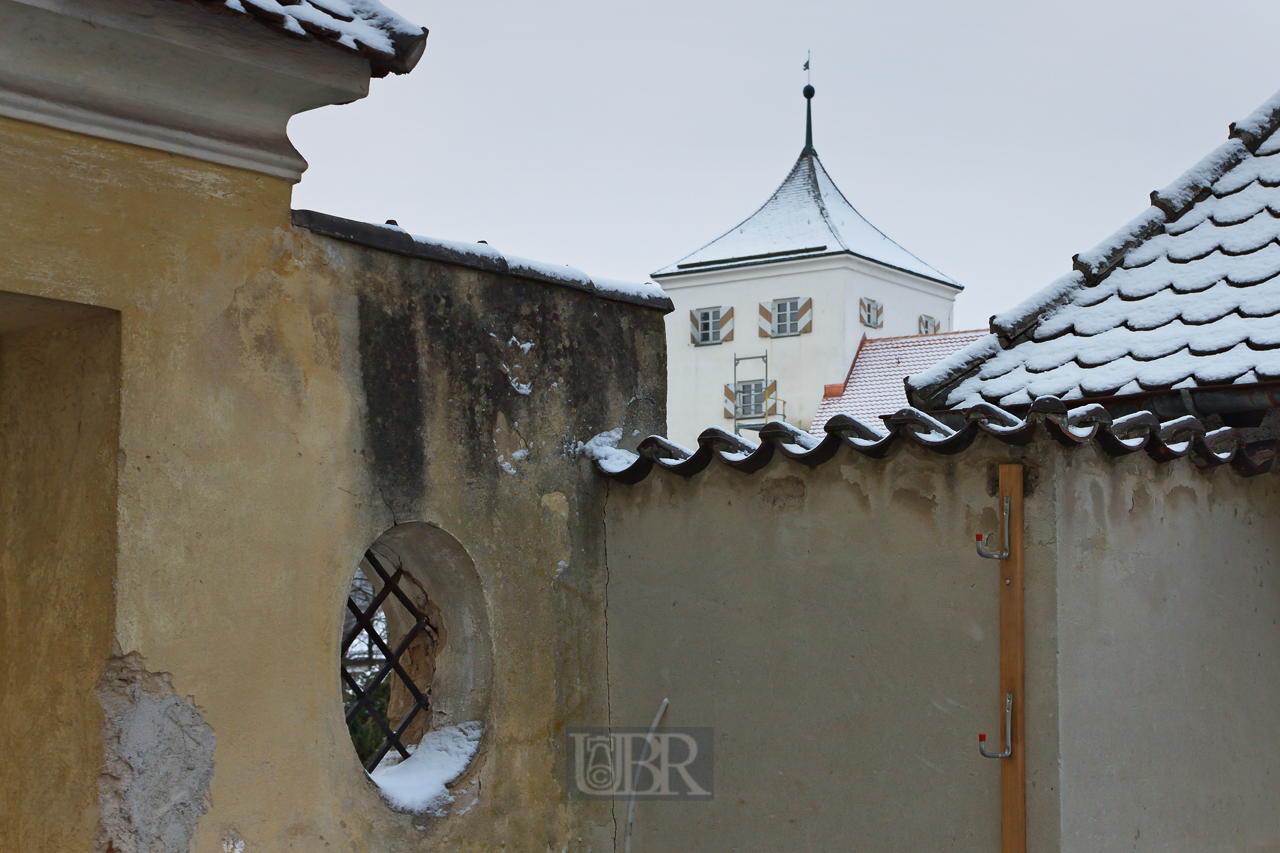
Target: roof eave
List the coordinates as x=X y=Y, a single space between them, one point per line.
x=667 y=272
x=1199 y=401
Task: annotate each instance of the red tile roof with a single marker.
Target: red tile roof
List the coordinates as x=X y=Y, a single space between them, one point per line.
x=874 y=384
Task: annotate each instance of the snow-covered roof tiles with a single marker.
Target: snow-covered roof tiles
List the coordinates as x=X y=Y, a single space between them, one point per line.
x=1164 y=441
x=874 y=384
x=363 y=27
x=1186 y=295
x=806 y=217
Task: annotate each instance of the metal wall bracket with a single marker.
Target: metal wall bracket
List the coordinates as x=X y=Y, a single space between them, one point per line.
x=983 y=552
x=1008 y=733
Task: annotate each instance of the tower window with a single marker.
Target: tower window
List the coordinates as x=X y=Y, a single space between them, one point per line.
x=709 y=325
x=750 y=398
x=786 y=317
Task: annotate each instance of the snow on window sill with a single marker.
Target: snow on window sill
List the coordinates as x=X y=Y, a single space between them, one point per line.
x=417 y=783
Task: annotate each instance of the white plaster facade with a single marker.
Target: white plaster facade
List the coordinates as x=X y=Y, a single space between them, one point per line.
x=801 y=363
x=809 y=243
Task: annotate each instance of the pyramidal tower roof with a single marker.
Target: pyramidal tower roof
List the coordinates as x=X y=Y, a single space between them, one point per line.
x=806 y=217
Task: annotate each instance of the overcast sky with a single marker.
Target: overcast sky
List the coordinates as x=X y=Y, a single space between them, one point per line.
x=992 y=139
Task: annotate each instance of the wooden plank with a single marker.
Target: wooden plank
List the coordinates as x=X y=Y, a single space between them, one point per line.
x=1013 y=770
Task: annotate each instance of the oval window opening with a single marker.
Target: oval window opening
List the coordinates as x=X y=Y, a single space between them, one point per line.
x=393 y=642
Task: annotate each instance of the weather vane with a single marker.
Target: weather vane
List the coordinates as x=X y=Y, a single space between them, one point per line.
x=807 y=54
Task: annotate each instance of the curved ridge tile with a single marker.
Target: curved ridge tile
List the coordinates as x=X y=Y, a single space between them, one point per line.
x=996 y=421
x=786 y=438
x=1076 y=426
x=1174 y=438
x=861 y=437
x=1255 y=458
x=673 y=457
x=927 y=431
x=1217 y=447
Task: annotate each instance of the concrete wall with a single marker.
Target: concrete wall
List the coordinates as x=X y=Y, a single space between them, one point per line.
x=286 y=399
x=1169 y=617
x=838 y=631
x=802 y=364
x=59 y=421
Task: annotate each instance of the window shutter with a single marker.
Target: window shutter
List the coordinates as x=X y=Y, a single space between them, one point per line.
x=929 y=325
x=771 y=398
x=766 y=320
x=806 y=316
x=871 y=313
x=726 y=325
x=693 y=328
x=729 y=401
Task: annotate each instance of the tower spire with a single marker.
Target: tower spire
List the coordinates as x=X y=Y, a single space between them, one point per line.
x=808 y=108
x=808 y=120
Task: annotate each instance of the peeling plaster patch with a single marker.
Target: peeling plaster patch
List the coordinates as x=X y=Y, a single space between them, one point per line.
x=157 y=762
x=783 y=494
x=915 y=501
x=852 y=476
x=1141 y=503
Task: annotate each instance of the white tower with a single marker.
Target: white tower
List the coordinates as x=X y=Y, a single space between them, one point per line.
x=791 y=291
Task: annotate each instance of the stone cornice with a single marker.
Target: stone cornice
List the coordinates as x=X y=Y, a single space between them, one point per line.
x=168 y=76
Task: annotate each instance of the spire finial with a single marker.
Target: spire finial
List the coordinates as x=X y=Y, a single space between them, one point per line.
x=808 y=110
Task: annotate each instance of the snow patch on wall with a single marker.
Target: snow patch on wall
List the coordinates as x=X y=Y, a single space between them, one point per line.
x=603 y=448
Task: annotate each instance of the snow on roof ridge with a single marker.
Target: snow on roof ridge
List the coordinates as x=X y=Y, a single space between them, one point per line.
x=1259 y=124
x=1013 y=322
x=785 y=182
x=1172 y=201
x=939 y=275
x=952 y=367
x=814 y=165
x=1098 y=261
x=1181 y=194
x=1095 y=264
x=1167 y=204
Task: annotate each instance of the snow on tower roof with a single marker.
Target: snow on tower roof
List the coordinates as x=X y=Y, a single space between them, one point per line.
x=1187 y=295
x=806 y=217
x=362 y=27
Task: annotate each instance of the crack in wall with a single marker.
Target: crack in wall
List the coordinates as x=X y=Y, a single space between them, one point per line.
x=608 y=661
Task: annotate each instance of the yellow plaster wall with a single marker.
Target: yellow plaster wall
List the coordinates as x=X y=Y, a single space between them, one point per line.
x=248 y=488
x=233 y=405
x=59 y=405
